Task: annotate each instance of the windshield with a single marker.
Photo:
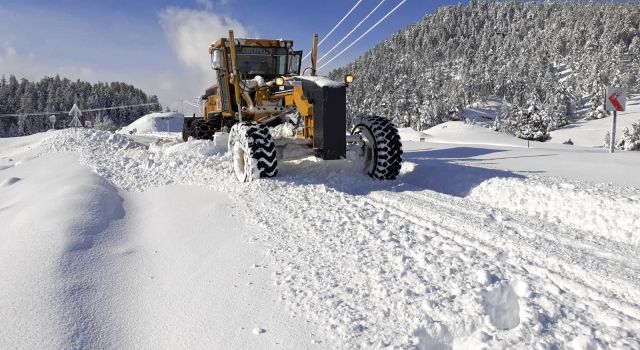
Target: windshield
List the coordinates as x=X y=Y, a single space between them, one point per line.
x=268 y=62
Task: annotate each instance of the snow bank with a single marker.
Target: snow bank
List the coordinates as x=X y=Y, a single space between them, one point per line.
x=463 y=133
x=154 y=123
x=594 y=209
x=57 y=210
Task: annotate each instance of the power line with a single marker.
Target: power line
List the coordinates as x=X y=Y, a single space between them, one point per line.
x=85 y=110
x=365 y=33
x=334 y=27
x=352 y=30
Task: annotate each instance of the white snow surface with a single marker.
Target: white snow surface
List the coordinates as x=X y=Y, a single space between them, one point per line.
x=480 y=243
x=168 y=122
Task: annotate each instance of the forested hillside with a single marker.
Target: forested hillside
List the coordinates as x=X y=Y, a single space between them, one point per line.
x=56 y=94
x=543 y=59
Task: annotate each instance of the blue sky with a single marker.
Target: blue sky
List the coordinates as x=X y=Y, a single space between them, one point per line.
x=161 y=45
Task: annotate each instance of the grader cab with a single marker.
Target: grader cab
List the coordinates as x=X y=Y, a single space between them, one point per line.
x=258 y=86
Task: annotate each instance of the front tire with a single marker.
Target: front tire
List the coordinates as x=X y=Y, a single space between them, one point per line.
x=381 y=147
x=253 y=152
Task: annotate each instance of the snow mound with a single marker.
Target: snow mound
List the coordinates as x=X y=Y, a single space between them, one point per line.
x=408 y=134
x=501 y=304
x=598 y=211
x=463 y=133
x=154 y=123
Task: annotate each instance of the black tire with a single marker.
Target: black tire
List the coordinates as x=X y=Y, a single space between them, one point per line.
x=253 y=152
x=201 y=130
x=383 y=150
x=186 y=127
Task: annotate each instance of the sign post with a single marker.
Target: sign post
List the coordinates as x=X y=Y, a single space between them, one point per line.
x=615 y=101
x=76 y=114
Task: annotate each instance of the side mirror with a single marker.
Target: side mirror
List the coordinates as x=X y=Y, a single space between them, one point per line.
x=216 y=60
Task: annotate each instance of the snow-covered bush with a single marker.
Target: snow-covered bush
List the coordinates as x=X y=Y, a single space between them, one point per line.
x=630 y=140
x=597 y=112
x=607 y=139
x=530 y=123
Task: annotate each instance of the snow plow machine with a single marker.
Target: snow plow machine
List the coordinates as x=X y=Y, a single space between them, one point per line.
x=269 y=111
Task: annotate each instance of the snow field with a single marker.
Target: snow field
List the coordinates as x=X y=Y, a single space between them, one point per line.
x=396 y=264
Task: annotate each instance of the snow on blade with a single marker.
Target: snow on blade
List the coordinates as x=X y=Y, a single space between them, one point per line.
x=321 y=81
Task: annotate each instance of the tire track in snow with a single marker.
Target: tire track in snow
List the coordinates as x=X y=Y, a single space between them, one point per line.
x=598 y=281
x=607 y=258
x=459 y=236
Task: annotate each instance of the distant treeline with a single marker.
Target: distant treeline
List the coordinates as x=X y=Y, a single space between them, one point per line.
x=58 y=94
x=545 y=59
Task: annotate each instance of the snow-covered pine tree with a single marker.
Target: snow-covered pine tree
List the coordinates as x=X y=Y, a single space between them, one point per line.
x=56 y=94
x=502 y=48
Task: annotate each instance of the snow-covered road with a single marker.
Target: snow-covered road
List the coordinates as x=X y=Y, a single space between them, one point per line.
x=450 y=255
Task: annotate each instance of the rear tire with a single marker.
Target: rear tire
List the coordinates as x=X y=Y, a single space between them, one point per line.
x=253 y=152
x=382 y=147
x=186 y=127
x=185 y=135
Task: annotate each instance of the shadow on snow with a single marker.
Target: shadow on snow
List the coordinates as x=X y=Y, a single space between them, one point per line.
x=434 y=170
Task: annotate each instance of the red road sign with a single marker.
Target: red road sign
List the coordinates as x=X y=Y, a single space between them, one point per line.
x=616 y=99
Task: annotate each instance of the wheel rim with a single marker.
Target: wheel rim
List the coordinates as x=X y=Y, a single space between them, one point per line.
x=239 y=162
x=368 y=148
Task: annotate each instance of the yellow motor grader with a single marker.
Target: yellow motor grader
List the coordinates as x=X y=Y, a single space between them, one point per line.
x=258 y=89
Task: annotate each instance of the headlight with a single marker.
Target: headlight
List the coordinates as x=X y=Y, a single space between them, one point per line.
x=348 y=78
x=280 y=81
